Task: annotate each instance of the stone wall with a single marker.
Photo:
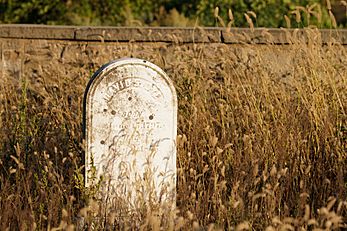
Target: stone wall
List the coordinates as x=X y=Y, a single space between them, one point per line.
x=56 y=57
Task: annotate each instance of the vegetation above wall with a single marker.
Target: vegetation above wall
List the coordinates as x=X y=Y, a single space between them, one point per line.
x=239 y=13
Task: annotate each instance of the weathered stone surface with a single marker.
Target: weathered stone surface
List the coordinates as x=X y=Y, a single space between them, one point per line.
x=36 y=31
x=175 y=35
x=167 y=34
x=12 y=53
x=51 y=65
x=131 y=120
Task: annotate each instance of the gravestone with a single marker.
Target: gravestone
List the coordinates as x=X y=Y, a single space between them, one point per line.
x=130 y=120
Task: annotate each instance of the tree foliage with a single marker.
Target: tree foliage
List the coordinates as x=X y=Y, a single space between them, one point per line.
x=33 y=11
x=262 y=13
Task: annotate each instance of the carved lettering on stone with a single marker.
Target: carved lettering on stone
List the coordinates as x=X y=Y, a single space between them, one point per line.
x=130 y=110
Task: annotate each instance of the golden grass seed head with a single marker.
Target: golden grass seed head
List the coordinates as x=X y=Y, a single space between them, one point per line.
x=196 y=225
x=230 y=15
x=333 y=20
x=243 y=226
x=252 y=13
x=216 y=12
x=249 y=21
x=297 y=15
x=328 y=5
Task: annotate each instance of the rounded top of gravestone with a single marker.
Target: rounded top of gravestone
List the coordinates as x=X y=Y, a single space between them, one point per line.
x=130 y=118
x=123 y=68
x=131 y=62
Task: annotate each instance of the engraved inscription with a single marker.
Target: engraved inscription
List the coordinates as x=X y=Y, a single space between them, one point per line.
x=131 y=117
x=123 y=84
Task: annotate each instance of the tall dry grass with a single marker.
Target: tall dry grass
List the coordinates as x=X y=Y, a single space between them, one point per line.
x=262 y=138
